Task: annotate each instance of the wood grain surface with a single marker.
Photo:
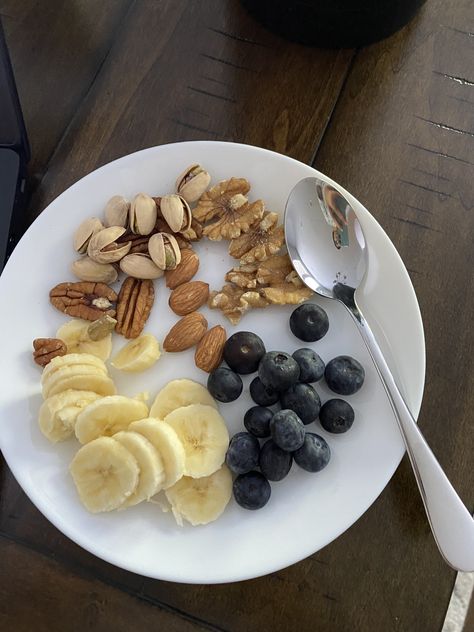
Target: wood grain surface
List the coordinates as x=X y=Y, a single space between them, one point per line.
x=394 y=123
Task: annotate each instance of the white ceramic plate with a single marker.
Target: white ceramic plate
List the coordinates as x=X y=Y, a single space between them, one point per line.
x=306 y=511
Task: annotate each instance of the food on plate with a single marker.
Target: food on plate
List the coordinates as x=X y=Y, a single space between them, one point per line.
x=83 y=299
x=251 y=490
x=178 y=393
x=134 y=303
x=210 y=349
x=83 y=336
x=278 y=370
x=242 y=453
x=336 y=416
x=224 y=385
x=311 y=365
x=183 y=272
x=274 y=462
x=105 y=474
x=287 y=430
x=58 y=413
x=200 y=500
x=303 y=400
x=188 y=297
x=164 y=250
x=79 y=371
x=309 y=322
x=192 y=182
x=314 y=454
x=186 y=333
x=137 y=355
x=243 y=352
x=263 y=395
x=257 y=421
x=45 y=349
x=204 y=435
x=344 y=375
x=107 y=416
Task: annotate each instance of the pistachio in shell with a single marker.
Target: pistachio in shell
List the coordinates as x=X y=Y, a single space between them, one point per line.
x=103 y=247
x=116 y=211
x=84 y=233
x=143 y=213
x=140 y=266
x=86 y=269
x=164 y=251
x=176 y=212
x=192 y=183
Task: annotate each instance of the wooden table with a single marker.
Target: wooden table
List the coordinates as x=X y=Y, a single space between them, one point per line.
x=393 y=123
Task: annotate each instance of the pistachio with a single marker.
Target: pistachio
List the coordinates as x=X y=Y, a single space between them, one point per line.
x=99 y=329
x=176 y=212
x=88 y=270
x=85 y=231
x=192 y=183
x=116 y=211
x=164 y=251
x=143 y=214
x=140 y=266
x=103 y=248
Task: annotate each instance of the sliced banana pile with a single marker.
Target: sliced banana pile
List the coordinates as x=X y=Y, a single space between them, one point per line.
x=129 y=457
x=76 y=335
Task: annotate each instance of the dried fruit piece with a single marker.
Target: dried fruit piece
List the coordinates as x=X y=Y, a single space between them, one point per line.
x=185 y=333
x=286 y=294
x=263 y=240
x=101 y=328
x=233 y=301
x=228 y=203
x=185 y=271
x=134 y=304
x=84 y=299
x=210 y=349
x=188 y=297
x=45 y=349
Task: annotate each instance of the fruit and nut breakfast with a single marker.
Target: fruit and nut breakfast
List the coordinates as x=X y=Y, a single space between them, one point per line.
x=180 y=447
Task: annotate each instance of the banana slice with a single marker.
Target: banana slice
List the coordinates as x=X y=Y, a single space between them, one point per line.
x=105 y=474
x=107 y=416
x=166 y=441
x=81 y=378
x=138 y=354
x=71 y=359
x=152 y=472
x=57 y=415
x=204 y=435
x=178 y=393
x=200 y=500
x=75 y=334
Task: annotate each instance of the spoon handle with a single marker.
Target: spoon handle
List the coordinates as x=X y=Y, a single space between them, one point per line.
x=451 y=523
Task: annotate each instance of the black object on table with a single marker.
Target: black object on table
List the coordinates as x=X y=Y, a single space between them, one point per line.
x=14 y=156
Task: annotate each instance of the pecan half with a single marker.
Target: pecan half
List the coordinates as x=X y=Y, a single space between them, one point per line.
x=84 y=299
x=263 y=240
x=134 y=304
x=45 y=349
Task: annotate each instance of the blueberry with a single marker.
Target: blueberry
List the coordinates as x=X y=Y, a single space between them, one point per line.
x=262 y=395
x=311 y=365
x=278 y=370
x=336 y=416
x=257 y=421
x=314 y=454
x=242 y=453
x=251 y=490
x=224 y=385
x=243 y=352
x=303 y=400
x=344 y=375
x=275 y=463
x=309 y=322
x=287 y=430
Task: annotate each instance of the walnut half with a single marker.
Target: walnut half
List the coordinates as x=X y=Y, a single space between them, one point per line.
x=263 y=240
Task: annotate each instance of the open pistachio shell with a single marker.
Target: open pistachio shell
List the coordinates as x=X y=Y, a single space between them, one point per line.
x=84 y=233
x=143 y=213
x=103 y=248
x=176 y=212
x=192 y=183
x=140 y=266
x=164 y=251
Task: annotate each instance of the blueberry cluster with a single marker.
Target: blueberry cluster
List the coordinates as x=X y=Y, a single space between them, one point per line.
x=286 y=380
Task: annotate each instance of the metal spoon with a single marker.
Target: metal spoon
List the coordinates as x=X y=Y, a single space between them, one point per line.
x=328 y=250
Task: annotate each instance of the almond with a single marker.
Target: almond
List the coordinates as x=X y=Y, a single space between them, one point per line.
x=188 y=297
x=186 y=333
x=209 y=351
x=185 y=271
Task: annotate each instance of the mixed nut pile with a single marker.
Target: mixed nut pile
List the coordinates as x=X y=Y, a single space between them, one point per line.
x=149 y=237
